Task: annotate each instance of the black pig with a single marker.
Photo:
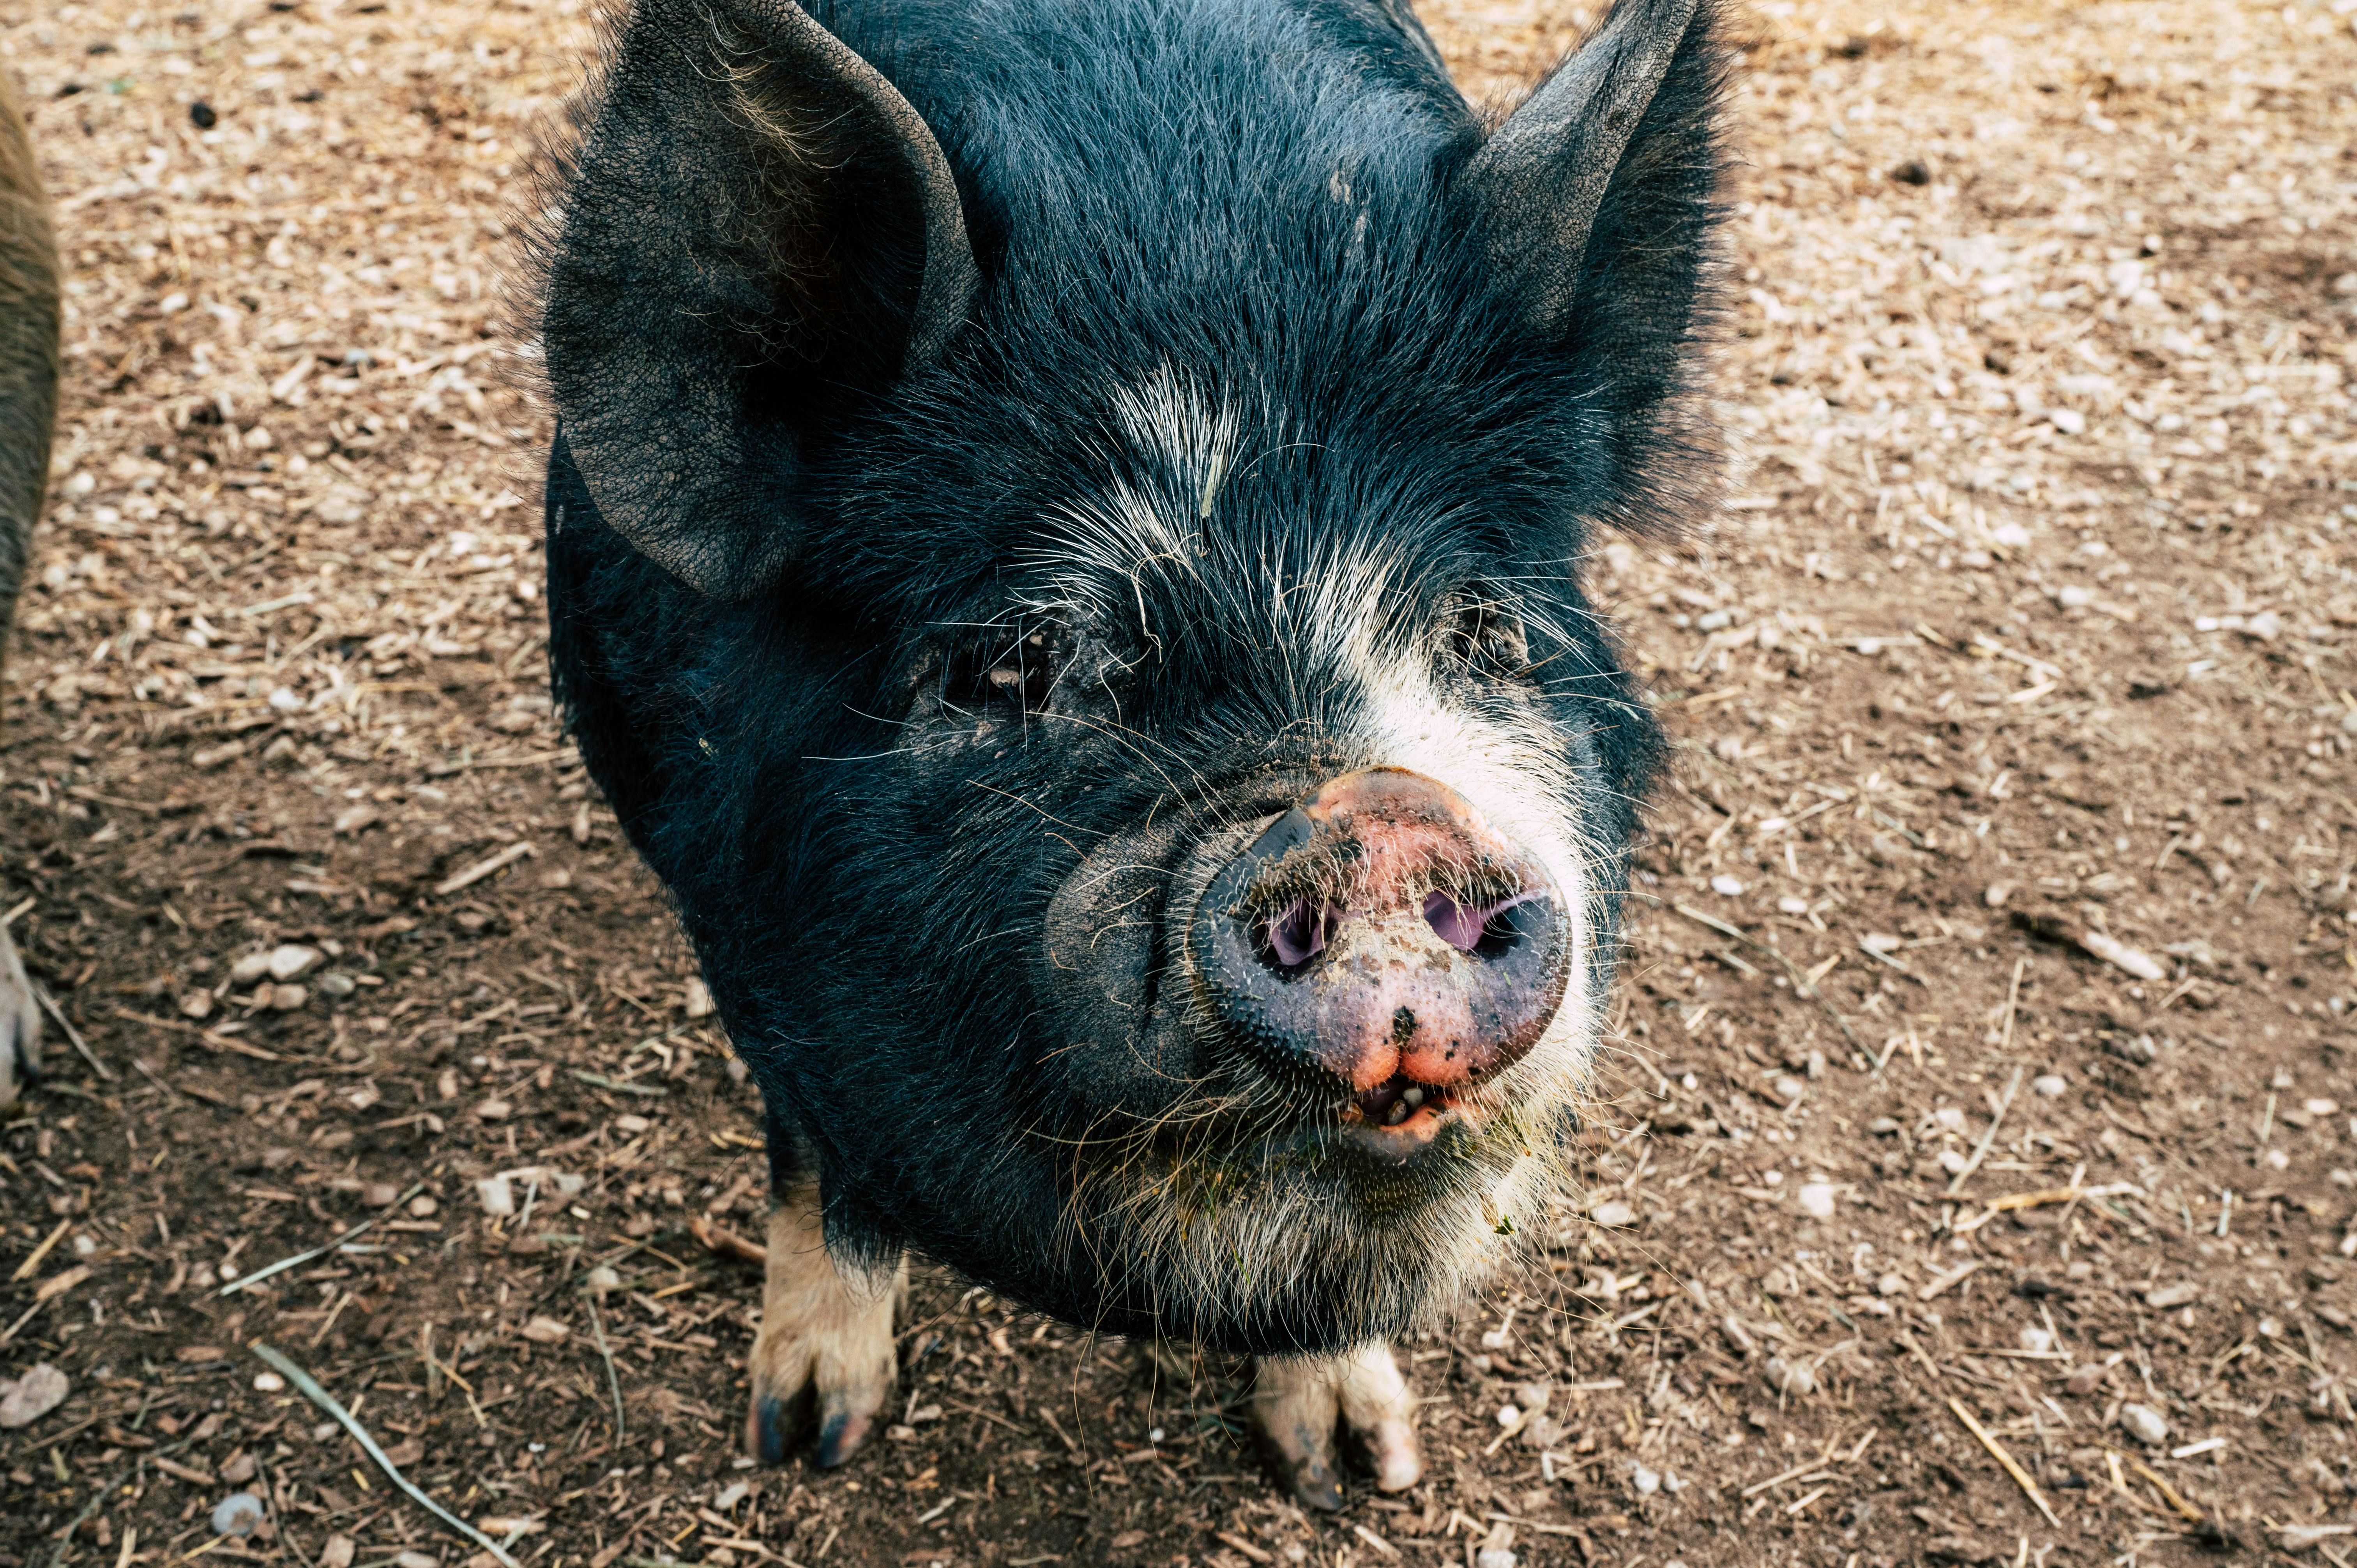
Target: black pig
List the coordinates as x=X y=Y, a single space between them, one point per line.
x=1063 y=538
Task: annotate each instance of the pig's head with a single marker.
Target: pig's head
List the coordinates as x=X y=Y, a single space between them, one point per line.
x=1065 y=560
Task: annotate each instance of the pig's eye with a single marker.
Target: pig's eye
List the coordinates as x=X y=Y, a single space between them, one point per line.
x=1005 y=672
x=1486 y=638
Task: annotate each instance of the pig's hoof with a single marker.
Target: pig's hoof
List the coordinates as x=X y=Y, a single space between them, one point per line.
x=1299 y=1405
x=20 y=1026
x=823 y=1361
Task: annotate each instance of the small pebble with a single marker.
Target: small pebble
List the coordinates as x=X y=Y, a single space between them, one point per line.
x=1816 y=1200
x=287 y=998
x=2086 y=1380
x=2037 y=1340
x=1790 y=1376
x=545 y=1331
x=249 y=968
x=1792 y=906
x=1494 y=1557
x=195 y=1004
x=2049 y=1084
x=496 y=1194
x=2146 y=1423
x=338 y=985
x=240 y=1468
x=40 y=1390
x=291 y=962
x=1647 y=1482
x=1791 y=1088
x=416 y=1560
x=601 y=1281
x=1727 y=886
x=732 y=1494
x=420 y=1207
x=239 y=1514
x=338 y=1552
x=268 y=1382
x=2161 y=1298
x=1508 y=1417
x=1612 y=1213
x=1890 y=1284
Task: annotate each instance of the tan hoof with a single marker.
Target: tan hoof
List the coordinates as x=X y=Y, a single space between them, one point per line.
x=20 y=1026
x=1299 y=1404
x=824 y=1359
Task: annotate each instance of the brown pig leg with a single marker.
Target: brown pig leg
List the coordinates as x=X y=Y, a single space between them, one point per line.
x=824 y=1358
x=1299 y=1402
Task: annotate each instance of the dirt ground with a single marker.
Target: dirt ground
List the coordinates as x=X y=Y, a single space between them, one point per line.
x=2015 y=699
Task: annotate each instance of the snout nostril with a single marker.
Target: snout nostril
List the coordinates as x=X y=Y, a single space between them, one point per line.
x=1301 y=931
x=1486 y=929
x=1458 y=925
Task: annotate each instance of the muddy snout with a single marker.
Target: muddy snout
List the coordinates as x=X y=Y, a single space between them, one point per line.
x=1382 y=932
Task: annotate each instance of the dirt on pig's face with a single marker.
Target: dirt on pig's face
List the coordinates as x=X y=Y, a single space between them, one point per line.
x=1088 y=628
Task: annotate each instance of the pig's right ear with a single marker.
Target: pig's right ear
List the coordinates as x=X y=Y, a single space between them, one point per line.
x=1596 y=202
x=755 y=228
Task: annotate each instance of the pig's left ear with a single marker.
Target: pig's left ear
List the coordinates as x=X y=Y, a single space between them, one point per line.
x=1594 y=201
x=755 y=228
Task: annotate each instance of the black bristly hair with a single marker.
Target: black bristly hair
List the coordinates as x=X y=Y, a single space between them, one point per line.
x=1223 y=381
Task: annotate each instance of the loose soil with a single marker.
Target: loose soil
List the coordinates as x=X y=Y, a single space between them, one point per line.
x=2027 y=622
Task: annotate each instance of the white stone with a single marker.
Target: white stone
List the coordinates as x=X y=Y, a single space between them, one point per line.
x=1725 y=886
x=1817 y=1199
x=239 y=1514
x=1790 y=1376
x=40 y=1390
x=1612 y=1213
x=2146 y=1423
x=291 y=962
x=2049 y=1084
x=498 y=1195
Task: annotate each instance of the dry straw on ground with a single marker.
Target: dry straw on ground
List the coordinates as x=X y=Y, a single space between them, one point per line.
x=2022 y=644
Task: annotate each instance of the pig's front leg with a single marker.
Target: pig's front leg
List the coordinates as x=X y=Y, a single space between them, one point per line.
x=20 y=1025
x=1299 y=1401
x=823 y=1357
